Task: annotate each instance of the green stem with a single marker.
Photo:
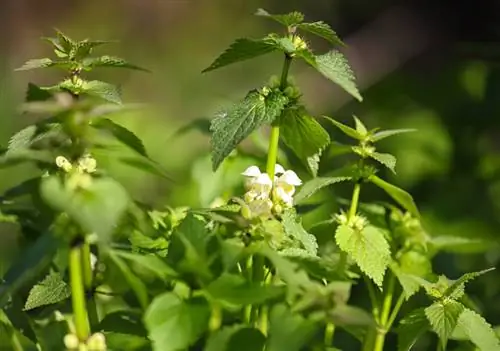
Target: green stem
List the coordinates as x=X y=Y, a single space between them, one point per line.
x=272 y=153
x=373 y=298
x=78 y=291
x=384 y=315
x=354 y=202
x=329 y=332
x=87 y=282
x=264 y=310
x=395 y=311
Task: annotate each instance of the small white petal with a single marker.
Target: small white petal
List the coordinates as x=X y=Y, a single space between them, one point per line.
x=263 y=179
x=290 y=177
x=252 y=171
x=93 y=261
x=283 y=196
x=278 y=169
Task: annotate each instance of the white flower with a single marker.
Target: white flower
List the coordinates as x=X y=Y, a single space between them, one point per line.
x=284 y=187
x=63 y=163
x=93 y=261
x=87 y=164
x=259 y=184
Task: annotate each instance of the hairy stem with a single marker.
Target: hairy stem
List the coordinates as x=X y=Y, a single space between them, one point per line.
x=354 y=202
x=78 y=291
x=88 y=284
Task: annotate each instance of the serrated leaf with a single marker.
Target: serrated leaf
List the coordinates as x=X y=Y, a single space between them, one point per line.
x=97 y=208
x=82 y=49
x=309 y=188
x=360 y=127
x=398 y=194
x=241 y=50
x=22 y=139
x=353 y=133
x=236 y=337
x=36 y=63
x=368 y=248
x=323 y=30
x=293 y=228
x=304 y=135
x=411 y=264
x=150 y=262
x=307 y=55
x=34 y=260
x=288 y=331
x=233 y=291
x=109 y=61
x=387 y=160
x=411 y=327
x=102 y=90
x=387 y=133
x=289 y=19
x=334 y=66
x=230 y=128
x=52 y=289
x=174 y=324
x=135 y=283
x=478 y=331
x=456 y=289
x=443 y=318
x=121 y=133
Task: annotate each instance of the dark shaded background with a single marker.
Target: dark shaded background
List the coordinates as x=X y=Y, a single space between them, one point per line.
x=430 y=65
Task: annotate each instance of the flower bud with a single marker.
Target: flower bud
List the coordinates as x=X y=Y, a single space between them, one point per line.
x=63 y=163
x=71 y=341
x=97 y=342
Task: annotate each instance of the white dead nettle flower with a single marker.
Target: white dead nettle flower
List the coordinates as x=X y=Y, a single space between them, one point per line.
x=97 y=342
x=71 y=342
x=284 y=187
x=63 y=163
x=87 y=164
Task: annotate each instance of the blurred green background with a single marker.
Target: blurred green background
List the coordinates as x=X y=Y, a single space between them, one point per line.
x=429 y=65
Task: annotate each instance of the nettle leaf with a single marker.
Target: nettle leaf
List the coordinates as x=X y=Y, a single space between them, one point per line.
x=102 y=90
x=368 y=248
x=97 y=208
x=34 y=260
x=174 y=324
x=241 y=50
x=334 y=66
x=146 y=165
x=478 y=331
x=457 y=244
x=353 y=133
x=233 y=291
x=360 y=127
x=35 y=93
x=37 y=63
x=307 y=55
x=410 y=328
x=289 y=19
x=387 y=160
x=398 y=194
x=323 y=30
x=288 y=331
x=149 y=262
x=236 y=337
x=121 y=133
x=52 y=289
x=314 y=185
x=443 y=317
x=304 y=135
x=82 y=49
x=109 y=61
x=456 y=289
x=293 y=228
x=387 y=133
x=411 y=264
x=231 y=127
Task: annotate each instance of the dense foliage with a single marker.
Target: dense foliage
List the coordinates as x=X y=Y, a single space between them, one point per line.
x=102 y=270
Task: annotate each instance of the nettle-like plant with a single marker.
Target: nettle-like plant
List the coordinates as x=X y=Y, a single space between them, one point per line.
x=104 y=271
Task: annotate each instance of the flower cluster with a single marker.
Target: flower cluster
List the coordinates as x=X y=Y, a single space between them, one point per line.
x=264 y=195
x=79 y=173
x=96 y=342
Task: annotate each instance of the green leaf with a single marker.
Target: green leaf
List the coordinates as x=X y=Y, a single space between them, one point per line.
x=443 y=317
x=241 y=50
x=34 y=260
x=146 y=165
x=478 y=330
x=174 y=324
x=109 y=61
x=411 y=264
x=368 y=248
x=230 y=128
x=456 y=289
x=121 y=133
x=387 y=160
x=345 y=315
x=234 y=291
x=323 y=30
x=307 y=55
x=35 y=93
x=360 y=127
x=334 y=66
x=353 y=133
x=123 y=322
x=134 y=282
x=293 y=228
x=462 y=245
x=236 y=337
x=52 y=289
x=102 y=90
x=398 y=194
x=37 y=63
x=96 y=208
x=288 y=331
x=387 y=133
x=82 y=49
x=289 y=19
x=304 y=135
x=150 y=262
x=314 y=185
x=411 y=327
